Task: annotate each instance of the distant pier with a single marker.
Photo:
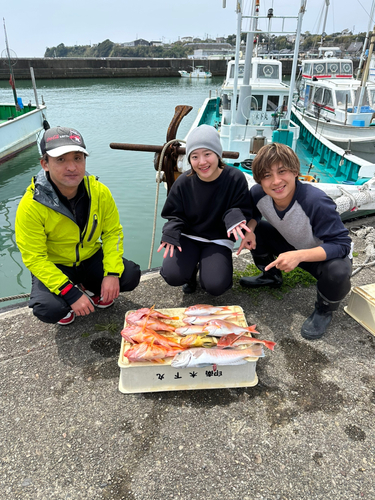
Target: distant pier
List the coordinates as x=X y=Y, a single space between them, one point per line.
x=113 y=67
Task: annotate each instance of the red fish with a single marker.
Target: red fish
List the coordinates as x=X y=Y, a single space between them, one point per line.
x=151 y=313
x=233 y=340
x=152 y=323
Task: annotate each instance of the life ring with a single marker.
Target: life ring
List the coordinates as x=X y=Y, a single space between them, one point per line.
x=333 y=68
x=346 y=67
x=268 y=70
x=319 y=68
x=307 y=178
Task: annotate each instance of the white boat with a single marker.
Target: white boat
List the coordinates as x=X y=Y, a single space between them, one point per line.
x=20 y=124
x=328 y=100
x=19 y=129
x=198 y=72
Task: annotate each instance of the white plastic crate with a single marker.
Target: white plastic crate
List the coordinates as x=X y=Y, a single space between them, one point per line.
x=144 y=376
x=361 y=306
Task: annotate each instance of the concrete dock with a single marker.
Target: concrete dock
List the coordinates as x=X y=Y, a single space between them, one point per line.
x=304 y=432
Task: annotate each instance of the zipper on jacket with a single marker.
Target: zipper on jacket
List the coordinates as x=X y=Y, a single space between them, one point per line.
x=94 y=226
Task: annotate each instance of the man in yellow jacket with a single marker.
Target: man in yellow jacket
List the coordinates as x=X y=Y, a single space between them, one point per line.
x=69 y=233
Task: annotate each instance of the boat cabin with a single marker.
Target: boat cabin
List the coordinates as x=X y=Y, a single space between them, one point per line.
x=328 y=91
x=327 y=68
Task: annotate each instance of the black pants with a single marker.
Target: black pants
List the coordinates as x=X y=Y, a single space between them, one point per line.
x=215 y=266
x=50 y=308
x=333 y=275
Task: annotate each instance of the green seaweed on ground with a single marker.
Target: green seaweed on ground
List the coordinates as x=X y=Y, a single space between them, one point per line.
x=109 y=327
x=297 y=277
x=85 y=334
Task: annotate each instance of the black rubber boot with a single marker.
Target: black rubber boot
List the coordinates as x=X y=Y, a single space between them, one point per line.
x=191 y=285
x=272 y=277
x=317 y=323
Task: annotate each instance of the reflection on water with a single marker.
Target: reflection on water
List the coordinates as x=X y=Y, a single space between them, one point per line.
x=132 y=110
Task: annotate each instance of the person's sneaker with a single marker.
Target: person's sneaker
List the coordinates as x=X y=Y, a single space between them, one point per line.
x=69 y=318
x=95 y=299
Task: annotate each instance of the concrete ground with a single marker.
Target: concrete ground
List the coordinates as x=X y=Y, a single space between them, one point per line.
x=305 y=431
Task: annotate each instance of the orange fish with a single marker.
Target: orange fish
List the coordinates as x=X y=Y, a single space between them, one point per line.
x=202 y=320
x=150 y=352
x=218 y=327
x=138 y=334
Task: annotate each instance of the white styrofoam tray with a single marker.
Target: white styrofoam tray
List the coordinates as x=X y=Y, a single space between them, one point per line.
x=145 y=376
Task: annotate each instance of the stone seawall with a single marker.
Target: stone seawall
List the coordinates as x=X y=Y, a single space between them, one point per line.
x=112 y=67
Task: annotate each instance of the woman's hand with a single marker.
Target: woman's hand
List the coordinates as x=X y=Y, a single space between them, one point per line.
x=237 y=231
x=248 y=242
x=169 y=248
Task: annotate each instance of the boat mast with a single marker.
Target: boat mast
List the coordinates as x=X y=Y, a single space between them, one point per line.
x=249 y=42
x=366 y=72
x=324 y=24
x=11 y=79
x=237 y=59
x=362 y=59
x=295 y=57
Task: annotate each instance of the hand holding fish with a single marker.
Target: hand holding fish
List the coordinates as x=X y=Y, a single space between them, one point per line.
x=237 y=231
x=169 y=248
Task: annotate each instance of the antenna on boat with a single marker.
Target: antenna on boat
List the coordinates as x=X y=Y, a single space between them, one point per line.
x=11 y=79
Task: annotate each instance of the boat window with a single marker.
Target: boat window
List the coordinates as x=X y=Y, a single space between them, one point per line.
x=241 y=69
x=306 y=69
x=272 y=102
x=318 y=96
x=372 y=97
x=333 y=68
x=341 y=98
x=327 y=98
x=257 y=102
x=346 y=68
x=319 y=68
x=268 y=71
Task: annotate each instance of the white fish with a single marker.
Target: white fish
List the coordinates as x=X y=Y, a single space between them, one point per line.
x=202 y=320
x=205 y=310
x=218 y=327
x=201 y=356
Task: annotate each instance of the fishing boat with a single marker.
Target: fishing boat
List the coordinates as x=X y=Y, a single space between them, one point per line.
x=254 y=108
x=329 y=98
x=198 y=72
x=20 y=123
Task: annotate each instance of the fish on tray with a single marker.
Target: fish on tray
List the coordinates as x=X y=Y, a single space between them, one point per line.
x=219 y=327
x=152 y=323
x=195 y=340
x=233 y=340
x=202 y=320
x=150 y=313
x=191 y=330
x=200 y=356
x=138 y=334
x=150 y=352
x=205 y=310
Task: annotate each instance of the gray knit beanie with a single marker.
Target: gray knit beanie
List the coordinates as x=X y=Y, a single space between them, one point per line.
x=206 y=137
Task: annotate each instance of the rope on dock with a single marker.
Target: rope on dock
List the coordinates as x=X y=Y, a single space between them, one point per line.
x=367 y=233
x=158 y=180
x=14 y=297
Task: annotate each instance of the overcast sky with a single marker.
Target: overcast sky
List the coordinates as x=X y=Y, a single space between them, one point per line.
x=33 y=25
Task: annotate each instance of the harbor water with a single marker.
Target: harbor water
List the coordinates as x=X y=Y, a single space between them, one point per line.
x=128 y=110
